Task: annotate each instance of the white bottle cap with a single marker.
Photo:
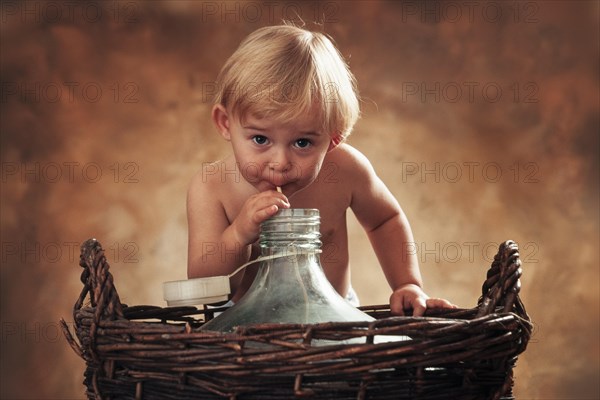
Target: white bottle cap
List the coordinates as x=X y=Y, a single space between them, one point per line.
x=196 y=291
x=212 y=289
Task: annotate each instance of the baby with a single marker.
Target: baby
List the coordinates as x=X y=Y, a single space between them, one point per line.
x=286 y=102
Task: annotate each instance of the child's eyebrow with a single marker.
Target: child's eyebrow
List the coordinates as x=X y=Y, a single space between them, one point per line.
x=256 y=128
x=310 y=133
x=301 y=133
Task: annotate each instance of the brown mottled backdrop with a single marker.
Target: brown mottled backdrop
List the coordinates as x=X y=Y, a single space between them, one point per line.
x=482 y=117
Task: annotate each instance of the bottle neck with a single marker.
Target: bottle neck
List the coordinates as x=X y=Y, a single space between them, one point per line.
x=290 y=251
x=294 y=230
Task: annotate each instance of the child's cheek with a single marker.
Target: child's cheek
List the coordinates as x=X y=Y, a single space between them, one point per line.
x=251 y=172
x=294 y=173
x=311 y=173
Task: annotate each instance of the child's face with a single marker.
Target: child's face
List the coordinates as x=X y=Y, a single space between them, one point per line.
x=271 y=154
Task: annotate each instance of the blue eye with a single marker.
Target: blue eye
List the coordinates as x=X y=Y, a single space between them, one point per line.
x=259 y=139
x=303 y=143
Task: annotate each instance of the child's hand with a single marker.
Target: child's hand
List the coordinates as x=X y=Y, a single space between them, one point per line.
x=256 y=209
x=412 y=296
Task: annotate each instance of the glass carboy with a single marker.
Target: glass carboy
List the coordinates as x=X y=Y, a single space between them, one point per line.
x=290 y=286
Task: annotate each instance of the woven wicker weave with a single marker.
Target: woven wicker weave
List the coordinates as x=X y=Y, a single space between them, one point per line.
x=146 y=352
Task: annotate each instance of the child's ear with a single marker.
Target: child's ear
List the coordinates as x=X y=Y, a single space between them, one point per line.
x=335 y=141
x=221 y=120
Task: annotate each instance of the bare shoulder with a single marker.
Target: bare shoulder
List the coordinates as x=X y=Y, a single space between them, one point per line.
x=206 y=188
x=371 y=201
x=350 y=162
x=204 y=180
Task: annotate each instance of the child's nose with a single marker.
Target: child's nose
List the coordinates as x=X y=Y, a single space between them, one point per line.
x=280 y=162
x=278 y=167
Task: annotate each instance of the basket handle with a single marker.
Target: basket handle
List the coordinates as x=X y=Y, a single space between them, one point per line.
x=98 y=283
x=502 y=285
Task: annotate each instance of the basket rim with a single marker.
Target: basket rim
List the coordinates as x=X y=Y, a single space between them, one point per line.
x=148 y=343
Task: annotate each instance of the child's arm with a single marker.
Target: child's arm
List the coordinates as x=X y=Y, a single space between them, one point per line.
x=213 y=248
x=391 y=237
x=216 y=246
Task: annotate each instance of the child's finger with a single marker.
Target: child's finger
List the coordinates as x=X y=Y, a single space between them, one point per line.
x=396 y=308
x=281 y=196
x=397 y=304
x=265 y=213
x=439 y=303
x=270 y=194
x=419 y=307
x=267 y=199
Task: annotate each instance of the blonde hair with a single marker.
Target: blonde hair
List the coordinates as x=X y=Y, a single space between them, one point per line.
x=284 y=72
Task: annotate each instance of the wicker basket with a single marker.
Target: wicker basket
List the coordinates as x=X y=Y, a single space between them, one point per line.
x=147 y=352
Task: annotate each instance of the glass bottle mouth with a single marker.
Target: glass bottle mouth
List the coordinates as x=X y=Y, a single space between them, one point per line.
x=292 y=227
